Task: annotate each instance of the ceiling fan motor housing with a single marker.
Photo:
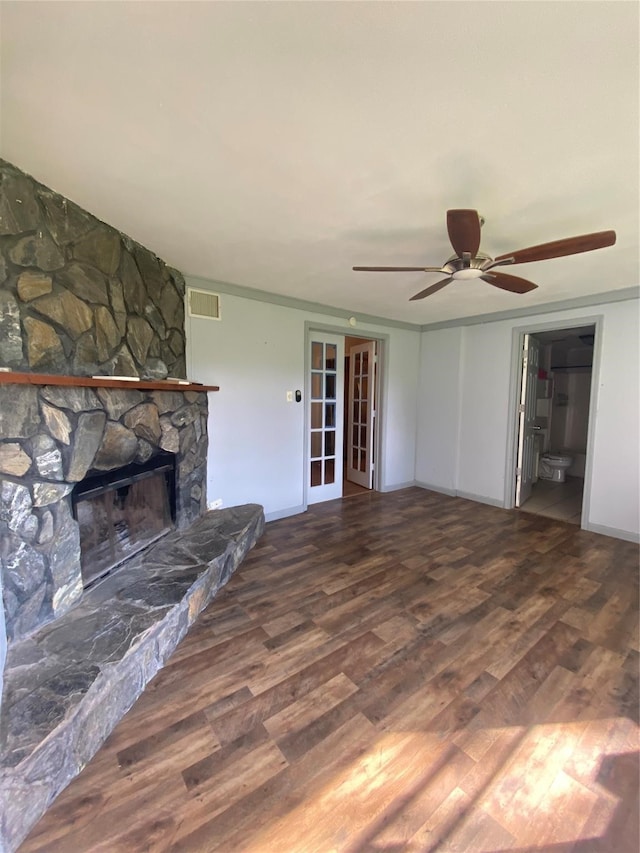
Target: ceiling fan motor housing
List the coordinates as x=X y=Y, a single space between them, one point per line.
x=467 y=267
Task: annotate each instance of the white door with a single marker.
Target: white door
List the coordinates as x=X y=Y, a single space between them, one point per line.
x=325 y=417
x=527 y=428
x=361 y=419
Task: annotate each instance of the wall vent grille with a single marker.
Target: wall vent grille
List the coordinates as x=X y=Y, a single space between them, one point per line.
x=202 y=303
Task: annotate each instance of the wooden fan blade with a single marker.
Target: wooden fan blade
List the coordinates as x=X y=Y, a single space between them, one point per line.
x=464 y=231
x=397 y=269
x=560 y=248
x=509 y=282
x=429 y=290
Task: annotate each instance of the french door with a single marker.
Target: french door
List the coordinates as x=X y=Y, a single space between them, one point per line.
x=325 y=417
x=360 y=432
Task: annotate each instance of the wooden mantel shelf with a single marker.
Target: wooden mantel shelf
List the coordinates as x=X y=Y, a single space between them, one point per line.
x=11 y=377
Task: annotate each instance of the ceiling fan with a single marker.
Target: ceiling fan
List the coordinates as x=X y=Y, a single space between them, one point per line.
x=467 y=263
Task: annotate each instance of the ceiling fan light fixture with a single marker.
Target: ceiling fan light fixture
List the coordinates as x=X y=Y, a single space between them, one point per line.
x=467 y=273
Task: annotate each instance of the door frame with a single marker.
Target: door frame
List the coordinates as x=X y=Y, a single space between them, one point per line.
x=525 y=447
x=382 y=341
x=515 y=388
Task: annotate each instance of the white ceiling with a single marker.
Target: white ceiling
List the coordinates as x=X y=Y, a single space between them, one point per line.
x=274 y=145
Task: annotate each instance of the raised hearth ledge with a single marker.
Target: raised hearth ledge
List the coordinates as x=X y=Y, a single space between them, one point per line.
x=12 y=377
x=67 y=686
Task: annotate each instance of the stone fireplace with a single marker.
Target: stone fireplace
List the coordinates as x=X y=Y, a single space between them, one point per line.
x=55 y=437
x=96 y=416
x=80 y=301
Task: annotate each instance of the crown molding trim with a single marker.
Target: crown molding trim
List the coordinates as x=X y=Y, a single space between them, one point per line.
x=544 y=308
x=587 y=301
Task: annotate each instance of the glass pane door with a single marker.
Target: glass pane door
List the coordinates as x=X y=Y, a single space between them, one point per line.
x=325 y=417
x=361 y=421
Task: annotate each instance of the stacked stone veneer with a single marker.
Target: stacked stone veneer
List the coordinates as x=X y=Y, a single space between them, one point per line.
x=78 y=297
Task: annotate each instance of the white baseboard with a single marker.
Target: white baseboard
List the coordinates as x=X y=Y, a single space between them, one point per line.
x=397 y=486
x=443 y=490
x=284 y=513
x=604 y=530
x=454 y=493
x=481 y=499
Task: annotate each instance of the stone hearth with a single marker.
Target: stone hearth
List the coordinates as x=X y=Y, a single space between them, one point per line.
x=52 y=436
x=67 y=686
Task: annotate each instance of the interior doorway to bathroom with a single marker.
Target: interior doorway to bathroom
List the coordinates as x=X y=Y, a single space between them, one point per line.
x=553 y=421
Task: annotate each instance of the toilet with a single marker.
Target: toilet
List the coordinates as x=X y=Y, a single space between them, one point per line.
x=553 y=466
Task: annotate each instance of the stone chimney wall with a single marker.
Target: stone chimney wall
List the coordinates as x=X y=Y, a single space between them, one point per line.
x=78 y=297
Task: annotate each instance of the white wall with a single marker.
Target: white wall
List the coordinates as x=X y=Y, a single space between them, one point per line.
x=255 y=353
x=474 y=401
x=578 y=415
x=438 y=409
x=559 y=411
x=615 y=501
x=399 y=408
x=569 y=421
x=484 y=412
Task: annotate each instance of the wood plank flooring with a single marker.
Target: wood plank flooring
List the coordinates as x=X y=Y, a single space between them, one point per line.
x=403 y=672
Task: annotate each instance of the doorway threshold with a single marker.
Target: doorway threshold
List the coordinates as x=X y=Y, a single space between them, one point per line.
x=350 y=490
x=562 y=501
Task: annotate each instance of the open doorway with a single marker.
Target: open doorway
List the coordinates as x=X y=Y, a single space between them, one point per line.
x=553 y=421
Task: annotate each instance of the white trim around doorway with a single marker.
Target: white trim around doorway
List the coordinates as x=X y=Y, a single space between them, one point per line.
x=382 y=379
x=515 y=380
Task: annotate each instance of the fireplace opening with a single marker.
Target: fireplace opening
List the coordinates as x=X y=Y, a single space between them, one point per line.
x=121 y=512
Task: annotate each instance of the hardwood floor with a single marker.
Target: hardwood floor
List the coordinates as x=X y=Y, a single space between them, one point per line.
x=401 y=672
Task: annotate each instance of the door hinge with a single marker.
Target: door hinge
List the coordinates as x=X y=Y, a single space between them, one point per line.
x=521 y=409
x=518 y=472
